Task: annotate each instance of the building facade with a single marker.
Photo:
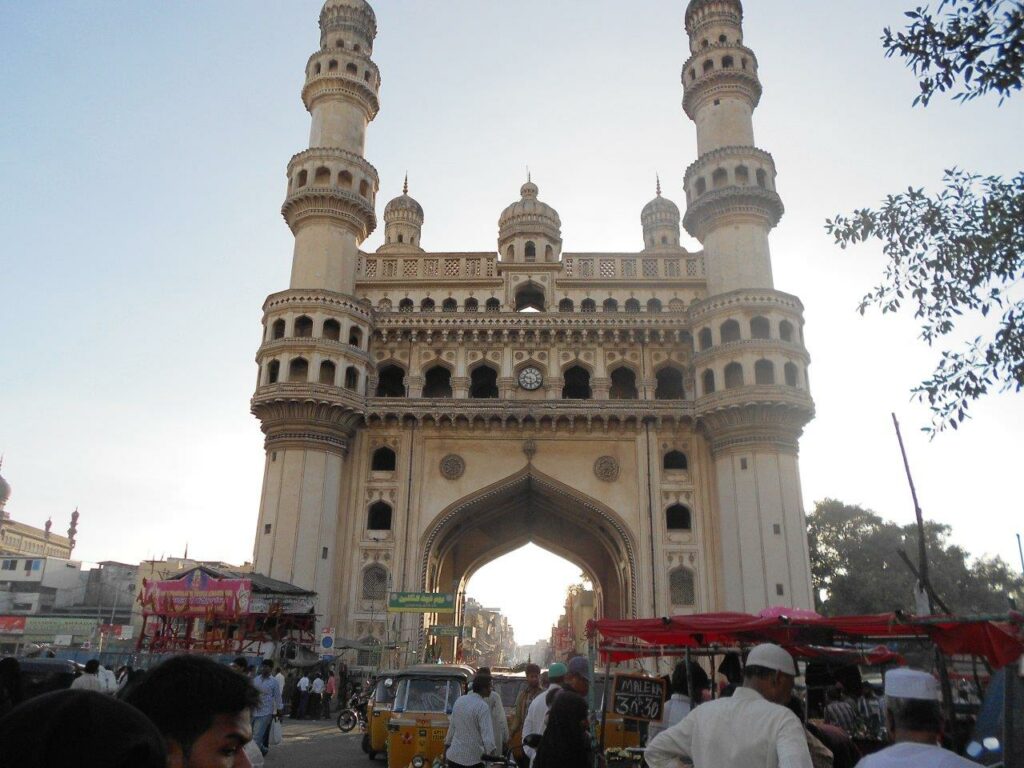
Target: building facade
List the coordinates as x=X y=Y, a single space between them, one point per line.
x=637 y=413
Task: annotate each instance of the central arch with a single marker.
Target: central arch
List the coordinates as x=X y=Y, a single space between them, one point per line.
x=531 y=507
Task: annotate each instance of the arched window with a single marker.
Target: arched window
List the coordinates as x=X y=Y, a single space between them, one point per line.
x=681 y=587
x=786 y=330
x=549 y=253
x=676 y=305
x=704 y=339
x=449 y=305
x=384 y=305
x=530 y=251
x=577 y=384
x=702 y=186
x=483 y=382
x=274 y=370
x=670 y=384
x=632 y=306
x=565 y=305
x=405 y=305
x=351 y=68
x=719 y=178
x=708 y=65
x=401 y=237
x=327 y=372
x=375 y=583
x=529 y=297
x=352 y=378
x=427 y=305
x=654 y=306
x=437 y=382
x=623 y=384
x=789 y=370
x=384 y=460
x=588 y=305
x=762 y=178
x=733 y=375
x=379 y=517
x=730 y=331
x=298 y=369
x=364 y=188
x=707 y=381
x=759 y=328
x=764 y=372
x=355 y=337
x=369 y=654
x=727 y=62
x=510 y=253
x=277 y=330
x=391 y=381
x=332 y=330
x=610 y=305
x=322 y=177
x=472 y=305
x=303 y=325
x=493 y=305
x=345 y=179
x=678 y=518
x=302 y=178
x=674 y=460
x=742 y=175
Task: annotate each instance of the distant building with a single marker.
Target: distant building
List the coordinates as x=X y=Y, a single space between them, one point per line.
x=569 y=635
x=17 y=538
x=492 y=641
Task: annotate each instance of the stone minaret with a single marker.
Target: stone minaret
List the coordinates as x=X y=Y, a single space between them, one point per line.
x=750 y=362
x=313 y=361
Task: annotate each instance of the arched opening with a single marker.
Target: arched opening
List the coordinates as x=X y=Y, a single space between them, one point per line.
x=707 y=381
x=449 y=305
x=322 y=177
x=610 y=305
x=530 y=251
x=378 y=517
x=375 y=583
x=391 y=381
x=273 y=371
x=427 y=305
x=302 y=178
x=565 y=305
x=742 y=175
x=384 y=460
x=332 y=65
x=730 y=331
x=676 y=305
x=674 y=460
x=588 y=305
x=762 y=178
x=678 y=518
x=384 y=305
x=760 y=328
x=405 y=305
x=789 y=371
x=549 y=253
x=298 y=369
x=577 y=384
x=355 y=337
x=529 y=297
x=471 y=305
x=364 y=188
x=682 y=590
x=708 y=65
x=303 y=325
x=764 y=372
x=483 y=382
x=437 y=382
x=670 y=384
x=352 y=69
x=704 y=339
x=786 y=330
x=702 y=186
x=623 y=386
x=352 y=378
x=328 y=371
x=719 y=178
x=345 y=179
x=727 y=62
x=510 y=253
x=632 y=306
x=733 y=375
x=332 y=330
x=277 y=330
x=493 y=305
x=654 y=306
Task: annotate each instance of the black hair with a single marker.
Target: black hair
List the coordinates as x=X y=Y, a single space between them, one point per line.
x=92 y=666
x=532 y=669
x=267 y=663
x=480 y=682
x=915 y=714
x=565 y=743
x=240 y=662
x=184 y=694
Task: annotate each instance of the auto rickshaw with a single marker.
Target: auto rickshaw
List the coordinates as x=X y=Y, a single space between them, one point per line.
x=378 y=712
x=619 y=733
x=424 y=696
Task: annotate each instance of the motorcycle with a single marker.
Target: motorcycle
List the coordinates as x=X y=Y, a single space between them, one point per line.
x=354 y=714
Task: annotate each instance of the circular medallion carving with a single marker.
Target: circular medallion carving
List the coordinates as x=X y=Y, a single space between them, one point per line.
x=606 y=468
x=452 y=466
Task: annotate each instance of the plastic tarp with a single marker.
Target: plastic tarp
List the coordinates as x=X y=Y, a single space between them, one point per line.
x=999 y=642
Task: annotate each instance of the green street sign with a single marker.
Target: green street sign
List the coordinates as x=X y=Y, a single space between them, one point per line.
x=447 y=630
x=421 y=602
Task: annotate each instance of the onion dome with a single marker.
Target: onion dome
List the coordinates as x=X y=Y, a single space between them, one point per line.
x=403 y=207
x=403 y=222
x=529 y=216
x=696 y=5
x=660 y=220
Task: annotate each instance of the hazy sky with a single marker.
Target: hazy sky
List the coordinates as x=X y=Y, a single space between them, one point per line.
x=143 y=148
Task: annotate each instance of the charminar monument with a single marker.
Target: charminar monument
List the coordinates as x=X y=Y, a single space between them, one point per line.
x=637 y=413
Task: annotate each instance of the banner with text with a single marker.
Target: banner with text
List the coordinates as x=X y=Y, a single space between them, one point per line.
x=421 y=602
x=12 y=625
x=198 y=595
x=447 y=630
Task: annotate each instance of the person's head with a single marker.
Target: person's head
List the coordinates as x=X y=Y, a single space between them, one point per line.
x=81 y=728
x=266 y=667
x=770 y=671
x=92 y=667
x=577 y=675
x=545 y=679
x=680 y=683
x=556 y=673
x=484 y=671
x=202 y=708
x=482 y=685
x=565 y=735
x=240 y=664
x=912 y=705
x=532 y=676
x=834 y=693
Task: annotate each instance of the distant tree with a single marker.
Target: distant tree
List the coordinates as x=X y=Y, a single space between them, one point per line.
x=854 y=562
x=961 y=251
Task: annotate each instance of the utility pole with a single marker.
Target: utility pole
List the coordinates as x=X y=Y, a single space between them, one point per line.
x=1021 y=551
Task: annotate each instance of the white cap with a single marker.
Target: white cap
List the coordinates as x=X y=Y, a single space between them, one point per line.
x=771 y=656
x=906 y=683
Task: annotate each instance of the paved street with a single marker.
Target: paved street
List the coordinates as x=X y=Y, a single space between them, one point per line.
x=319 y=744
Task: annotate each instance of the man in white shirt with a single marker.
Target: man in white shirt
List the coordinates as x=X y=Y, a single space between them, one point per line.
x=470 y=733
x=915 y=721
x=498 y=720
x=303 y=686
x=677 y=707
x=536 y=715
x=750 y=729
x=89 y=680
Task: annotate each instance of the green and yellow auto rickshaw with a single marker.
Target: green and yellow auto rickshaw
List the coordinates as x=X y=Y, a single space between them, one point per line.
x=378 y=712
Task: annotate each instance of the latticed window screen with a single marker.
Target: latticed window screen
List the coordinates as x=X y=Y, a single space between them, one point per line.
x=672 y=268
x=367 y=657
x=430 y=267
x=375 y=583
x=568 y=267
x=390 y=268
x=681 y=587
x=409 y=268
x=371 y=268
x=586 y=268
x=490 y=268
x=629 y=268
x=650 y=267
x=473 y=267
x=451 y=267
x=691 y=267
x=607 y=268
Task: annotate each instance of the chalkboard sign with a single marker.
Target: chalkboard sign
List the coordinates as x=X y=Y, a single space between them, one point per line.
x=636 y=697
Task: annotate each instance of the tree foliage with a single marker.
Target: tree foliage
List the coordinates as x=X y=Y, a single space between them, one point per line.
x=956 y=254
x=854 y=561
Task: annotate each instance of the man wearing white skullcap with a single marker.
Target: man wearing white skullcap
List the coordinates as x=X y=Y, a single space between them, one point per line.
x=915 y=722
x=750 y=729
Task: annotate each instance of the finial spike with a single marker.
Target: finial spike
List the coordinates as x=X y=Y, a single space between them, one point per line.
x=405 y=186
x=528 y=179
x=658 y=183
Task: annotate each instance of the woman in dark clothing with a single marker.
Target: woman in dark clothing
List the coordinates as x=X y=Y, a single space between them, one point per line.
x=566 y=741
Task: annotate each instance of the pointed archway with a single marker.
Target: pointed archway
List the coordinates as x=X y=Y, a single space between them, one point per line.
x=526 y=507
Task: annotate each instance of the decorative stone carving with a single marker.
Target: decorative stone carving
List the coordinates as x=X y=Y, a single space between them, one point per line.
x=529 y=448
x=452 y=466
x=606 y=468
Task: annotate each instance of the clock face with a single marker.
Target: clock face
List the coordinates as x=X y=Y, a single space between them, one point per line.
x=530 y=378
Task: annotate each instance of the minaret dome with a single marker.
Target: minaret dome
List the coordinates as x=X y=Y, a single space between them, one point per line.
x=403 y=222
x=660 y=220
x=529 y=230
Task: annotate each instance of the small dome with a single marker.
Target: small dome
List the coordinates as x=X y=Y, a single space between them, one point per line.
x=660 y=208
x=528 y=214
x=357 y=4
x=696 y=5
x=403 y=206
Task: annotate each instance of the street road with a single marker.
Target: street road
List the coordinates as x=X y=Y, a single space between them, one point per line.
x=311 y=745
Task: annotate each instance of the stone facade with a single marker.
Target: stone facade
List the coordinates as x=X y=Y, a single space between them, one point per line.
x=637 y=413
